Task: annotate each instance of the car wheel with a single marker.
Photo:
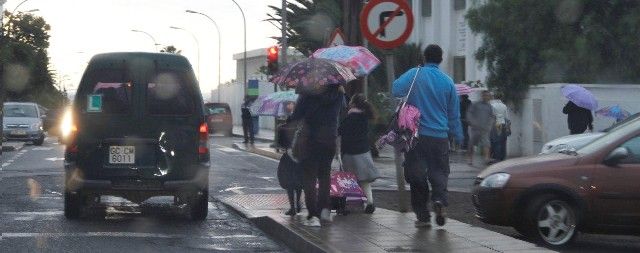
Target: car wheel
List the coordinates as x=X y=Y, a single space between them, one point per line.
x=39 y=141
x=552 y=220
x=200 y=205
x=72 y=205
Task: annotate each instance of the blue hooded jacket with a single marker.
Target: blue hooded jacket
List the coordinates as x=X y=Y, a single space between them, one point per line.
x=434 y=94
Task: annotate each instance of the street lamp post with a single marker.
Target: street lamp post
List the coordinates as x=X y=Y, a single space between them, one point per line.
x=244 y=55
x=197 y=45
x=219 y=45
x=155 y=44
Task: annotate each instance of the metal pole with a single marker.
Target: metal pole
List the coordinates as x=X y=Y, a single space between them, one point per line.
x=197 y=46
x=244 y=55
x=219 y=47
x=397 y=155
x=284 y=33
x=155 y=44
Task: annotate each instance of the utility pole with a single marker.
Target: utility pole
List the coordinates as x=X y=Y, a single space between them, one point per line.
x=283 y=41
x=2 y=44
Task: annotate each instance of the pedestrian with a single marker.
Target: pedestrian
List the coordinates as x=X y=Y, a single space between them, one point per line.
x=481 y=120
x=464 y=106
x=578 y=118
x=318 y=114
x=501 y=129
x=356 y=153
x=434 y=94
x=247 y=121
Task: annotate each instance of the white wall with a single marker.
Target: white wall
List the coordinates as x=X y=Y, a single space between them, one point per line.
x=448 y=28
x=234 y=96
x=535 y=125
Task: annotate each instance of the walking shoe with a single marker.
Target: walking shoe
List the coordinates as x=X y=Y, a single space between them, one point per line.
x=291 y=212
x=438 y=208
x=370 y=208
x=422 y=224
x=312 y=222
x=325 y=215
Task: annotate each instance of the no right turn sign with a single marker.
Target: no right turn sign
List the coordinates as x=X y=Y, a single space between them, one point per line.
x=386 y=23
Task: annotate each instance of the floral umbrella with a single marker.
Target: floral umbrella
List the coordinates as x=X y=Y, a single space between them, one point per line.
x=613 y=112
x=313 y=73
x=274 y=104
x=463 y=89
x=358 y=58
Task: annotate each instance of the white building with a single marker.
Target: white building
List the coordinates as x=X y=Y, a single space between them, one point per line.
x=443 y=22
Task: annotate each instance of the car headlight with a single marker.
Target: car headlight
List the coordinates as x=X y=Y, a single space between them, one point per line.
x=36 y=126
x=497 y=180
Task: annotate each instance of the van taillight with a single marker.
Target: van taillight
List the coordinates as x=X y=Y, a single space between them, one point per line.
x=203 y=133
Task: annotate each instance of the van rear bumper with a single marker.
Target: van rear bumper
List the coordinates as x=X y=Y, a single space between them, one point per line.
x=75 y=183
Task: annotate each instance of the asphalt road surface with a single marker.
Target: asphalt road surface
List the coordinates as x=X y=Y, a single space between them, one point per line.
x=32 y=220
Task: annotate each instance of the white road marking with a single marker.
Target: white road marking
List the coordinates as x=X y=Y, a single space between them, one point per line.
x=235 y=190
x=229 y=150
x=42 y=148
x=45 y=213
x=53 y=159
x=122 y=234
x=5 y=164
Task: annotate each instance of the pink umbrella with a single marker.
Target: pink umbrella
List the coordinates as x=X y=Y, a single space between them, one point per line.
x=463 y=89
x=359 y=59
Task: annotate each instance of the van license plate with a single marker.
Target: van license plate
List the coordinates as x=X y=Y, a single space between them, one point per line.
x=122 y=154
x=19 y=132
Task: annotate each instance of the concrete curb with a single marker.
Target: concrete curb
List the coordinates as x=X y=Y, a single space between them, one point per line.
x=255 y=137
x=272 y=228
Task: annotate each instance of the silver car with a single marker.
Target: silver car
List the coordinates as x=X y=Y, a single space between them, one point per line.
x=23 y=122
x=577 y=141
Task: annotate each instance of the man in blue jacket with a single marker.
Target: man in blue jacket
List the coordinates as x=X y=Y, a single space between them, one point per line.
x=434 y=94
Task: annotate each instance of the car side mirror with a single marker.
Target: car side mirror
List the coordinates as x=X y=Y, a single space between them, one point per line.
x=616 y=156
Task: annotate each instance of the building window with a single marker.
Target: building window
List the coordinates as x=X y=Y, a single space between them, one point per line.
x=458 y=69
x=426 y=8
x=459 y=4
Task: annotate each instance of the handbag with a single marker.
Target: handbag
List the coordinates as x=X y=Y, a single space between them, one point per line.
x=300 y=142
x=400 y=135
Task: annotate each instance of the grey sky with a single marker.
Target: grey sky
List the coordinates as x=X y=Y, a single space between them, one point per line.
x=82 y=28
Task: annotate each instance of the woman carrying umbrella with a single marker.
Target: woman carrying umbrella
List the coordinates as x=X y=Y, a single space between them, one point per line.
x=578 y=109
x=319 y=84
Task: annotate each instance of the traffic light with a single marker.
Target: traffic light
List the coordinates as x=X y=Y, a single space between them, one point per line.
x=272 y=60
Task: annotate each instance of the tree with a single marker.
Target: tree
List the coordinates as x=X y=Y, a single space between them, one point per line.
x=170 y=49
x=26 y=72
x=531 y=42
x=309 y=23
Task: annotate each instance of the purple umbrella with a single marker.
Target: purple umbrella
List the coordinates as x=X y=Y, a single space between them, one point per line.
x=580 y=96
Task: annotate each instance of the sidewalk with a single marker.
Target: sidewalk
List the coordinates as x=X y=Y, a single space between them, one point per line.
x=263 y=134
x=460 y=180
x=383 y=231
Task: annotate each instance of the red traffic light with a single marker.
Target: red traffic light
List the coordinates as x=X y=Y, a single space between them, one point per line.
x=272 y=54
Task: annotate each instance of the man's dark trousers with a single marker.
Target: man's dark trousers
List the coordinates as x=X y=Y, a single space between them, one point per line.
x=247 y=130
x=427 y=163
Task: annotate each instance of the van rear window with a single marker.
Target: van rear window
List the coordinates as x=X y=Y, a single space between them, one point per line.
x=114 y=89
x=169 y=95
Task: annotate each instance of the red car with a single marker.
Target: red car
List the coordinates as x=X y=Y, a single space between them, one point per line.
x=219 y=118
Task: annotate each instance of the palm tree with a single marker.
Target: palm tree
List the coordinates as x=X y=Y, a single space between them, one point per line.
x=309 y=23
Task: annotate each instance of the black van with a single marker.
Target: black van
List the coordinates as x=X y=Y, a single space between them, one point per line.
x=138 y=130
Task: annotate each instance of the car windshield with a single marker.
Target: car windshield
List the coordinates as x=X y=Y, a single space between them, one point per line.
x=26 y=111
x=216 y=110
x=613 y=135
x=617 y=124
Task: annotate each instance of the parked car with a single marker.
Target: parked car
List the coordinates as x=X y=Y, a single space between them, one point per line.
x=219 y=118
x=551 y=197
x=23 y=122
x=577 y=141
x=137 y=129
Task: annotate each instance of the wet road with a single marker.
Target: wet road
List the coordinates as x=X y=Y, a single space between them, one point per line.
x=32 y=220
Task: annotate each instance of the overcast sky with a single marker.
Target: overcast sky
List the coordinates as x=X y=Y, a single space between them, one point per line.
x=83 y=28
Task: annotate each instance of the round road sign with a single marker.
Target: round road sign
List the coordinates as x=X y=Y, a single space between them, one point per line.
x=386 y=23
